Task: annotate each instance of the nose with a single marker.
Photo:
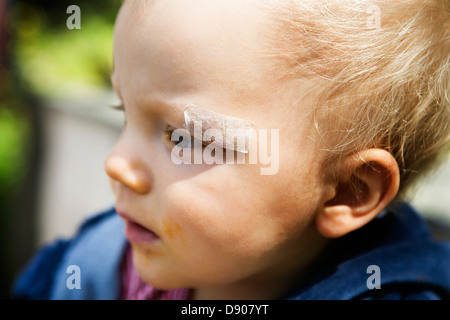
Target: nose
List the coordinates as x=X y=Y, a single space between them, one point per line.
x=122 y=167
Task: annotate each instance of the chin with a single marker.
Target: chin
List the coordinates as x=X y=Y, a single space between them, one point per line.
x=154 y=272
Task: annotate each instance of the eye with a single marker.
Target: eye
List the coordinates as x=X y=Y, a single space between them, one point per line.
x=180 y=140
x=121 y=107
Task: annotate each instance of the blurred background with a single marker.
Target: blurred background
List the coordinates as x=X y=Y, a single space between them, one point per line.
x=56 y=128
x=56 y=124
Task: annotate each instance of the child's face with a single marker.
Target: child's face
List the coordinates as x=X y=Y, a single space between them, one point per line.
x=217 y=225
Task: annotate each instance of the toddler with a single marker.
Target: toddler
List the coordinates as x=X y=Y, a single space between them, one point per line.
x=344 y=103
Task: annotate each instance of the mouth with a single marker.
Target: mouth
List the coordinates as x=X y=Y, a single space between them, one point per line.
x=136 y=232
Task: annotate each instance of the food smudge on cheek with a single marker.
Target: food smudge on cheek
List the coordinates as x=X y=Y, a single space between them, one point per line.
x=171 y=228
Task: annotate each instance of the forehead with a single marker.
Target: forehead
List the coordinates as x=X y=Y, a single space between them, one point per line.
x=183 y=45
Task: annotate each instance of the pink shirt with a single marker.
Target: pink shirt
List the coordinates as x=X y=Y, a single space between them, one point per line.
x=133 y=288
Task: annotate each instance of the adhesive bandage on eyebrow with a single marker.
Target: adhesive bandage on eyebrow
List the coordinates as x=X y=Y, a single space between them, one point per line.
x=227 y=132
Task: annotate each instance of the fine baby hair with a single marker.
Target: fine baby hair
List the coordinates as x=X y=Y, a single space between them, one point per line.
x=385 y=67
x=355 y=94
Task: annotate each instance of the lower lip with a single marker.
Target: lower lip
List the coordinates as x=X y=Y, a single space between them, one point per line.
x=137 y=233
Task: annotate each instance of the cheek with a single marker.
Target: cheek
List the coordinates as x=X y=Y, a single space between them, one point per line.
x=203 y=212
x=210 y=236
x=220 y=211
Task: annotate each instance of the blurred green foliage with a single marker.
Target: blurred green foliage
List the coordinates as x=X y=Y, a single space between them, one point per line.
x=14 y=130
x=48 y=60
x=65 y=61
x=45 y=60
x=52 y=60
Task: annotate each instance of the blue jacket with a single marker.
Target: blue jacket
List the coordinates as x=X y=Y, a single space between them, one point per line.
x=395 y=249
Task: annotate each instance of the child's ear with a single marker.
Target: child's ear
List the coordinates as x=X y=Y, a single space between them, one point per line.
x=366 y=183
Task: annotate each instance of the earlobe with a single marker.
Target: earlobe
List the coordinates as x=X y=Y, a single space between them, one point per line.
x=366 y=183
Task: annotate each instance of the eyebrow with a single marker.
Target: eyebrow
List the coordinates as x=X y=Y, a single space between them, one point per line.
x=236 y=132
x=111 y=78
x=113 y=67
x=155 y=102
x=230 y=133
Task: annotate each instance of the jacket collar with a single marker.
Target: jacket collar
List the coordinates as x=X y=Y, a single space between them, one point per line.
x=97 y=251
x=398 y=242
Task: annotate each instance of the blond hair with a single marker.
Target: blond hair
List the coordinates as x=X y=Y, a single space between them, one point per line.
x=386 y=65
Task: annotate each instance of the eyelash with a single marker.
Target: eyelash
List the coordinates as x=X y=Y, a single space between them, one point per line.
x=120 y=107
x=167 y=132
x=168 y=136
